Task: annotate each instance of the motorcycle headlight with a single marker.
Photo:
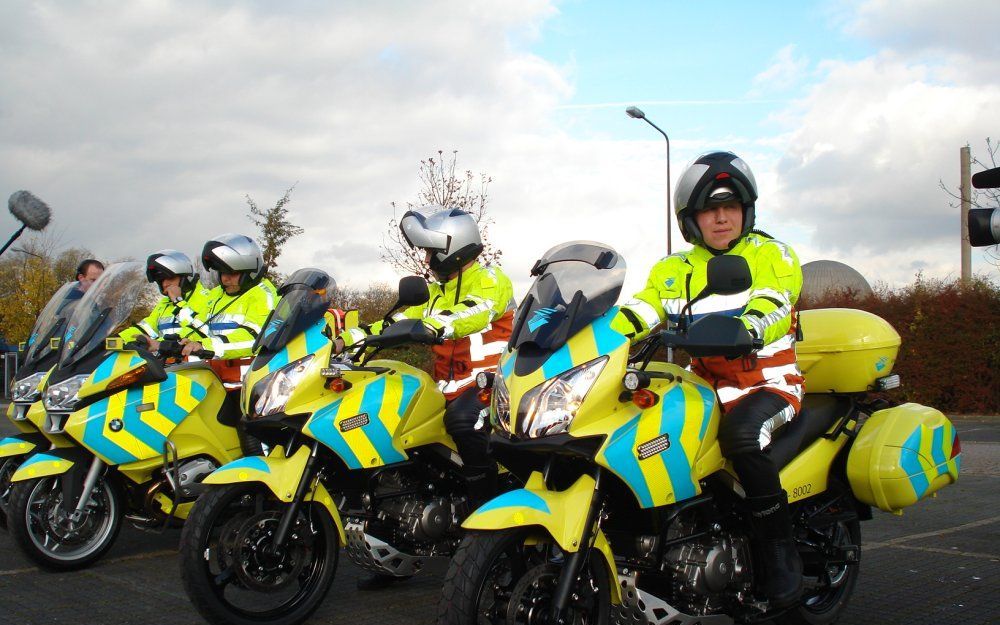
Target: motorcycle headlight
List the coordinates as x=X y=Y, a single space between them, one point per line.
x=277 y=387
x=26 y=390
x=550 y=407
x=62 y=396
x=500 y=410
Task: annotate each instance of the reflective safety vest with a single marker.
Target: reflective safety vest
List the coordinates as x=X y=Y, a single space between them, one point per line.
x=173 y=318
x=473 y=312
x=232 y=322
x=766 y=309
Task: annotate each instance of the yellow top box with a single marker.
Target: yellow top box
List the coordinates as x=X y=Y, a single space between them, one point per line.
x=845 y=350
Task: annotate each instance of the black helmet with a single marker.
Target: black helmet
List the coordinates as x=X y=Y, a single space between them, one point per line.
x=713 y=177
x=170 y=263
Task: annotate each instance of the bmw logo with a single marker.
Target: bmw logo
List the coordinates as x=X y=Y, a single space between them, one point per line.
x=115 y=425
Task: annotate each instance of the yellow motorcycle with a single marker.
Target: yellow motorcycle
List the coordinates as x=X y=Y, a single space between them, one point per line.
x=630 y=512
x=359 y=457
x=36 y=358
x=144 y=435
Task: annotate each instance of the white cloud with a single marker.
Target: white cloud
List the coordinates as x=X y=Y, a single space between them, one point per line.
x=785 y=71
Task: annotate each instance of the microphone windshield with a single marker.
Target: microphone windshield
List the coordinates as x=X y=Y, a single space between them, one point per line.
x=29 y=210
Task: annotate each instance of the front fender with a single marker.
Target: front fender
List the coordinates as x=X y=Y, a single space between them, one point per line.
x=560 y=513
x=52 y=462
x=281 y=474
x=22 y=444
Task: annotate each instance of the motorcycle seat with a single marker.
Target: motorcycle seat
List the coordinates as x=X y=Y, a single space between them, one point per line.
x=819 y=413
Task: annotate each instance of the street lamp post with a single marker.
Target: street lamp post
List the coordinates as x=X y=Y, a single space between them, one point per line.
x=636 y=113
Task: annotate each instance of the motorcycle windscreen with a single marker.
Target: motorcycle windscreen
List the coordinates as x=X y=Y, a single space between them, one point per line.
x=103 y=309
x=577 y=282
x=51 y=324
x=302 y=304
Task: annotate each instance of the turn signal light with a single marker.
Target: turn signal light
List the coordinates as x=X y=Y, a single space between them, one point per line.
x=484 y=395
x=338 y=385
x=128 y=379
x=645 y=398
x=956 y=447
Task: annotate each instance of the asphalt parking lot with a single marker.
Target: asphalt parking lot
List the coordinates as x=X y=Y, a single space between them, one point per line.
x=938 y=564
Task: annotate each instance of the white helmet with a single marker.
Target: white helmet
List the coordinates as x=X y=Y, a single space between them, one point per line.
x=170 y=263
x=451 y=236
x=235 y=253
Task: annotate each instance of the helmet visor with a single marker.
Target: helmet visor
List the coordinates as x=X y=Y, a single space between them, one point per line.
x=416 y=233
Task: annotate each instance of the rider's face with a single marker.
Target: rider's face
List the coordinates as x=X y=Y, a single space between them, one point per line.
x=230 y=282
x=720 y=224
x=169 y=282
x=86 y=279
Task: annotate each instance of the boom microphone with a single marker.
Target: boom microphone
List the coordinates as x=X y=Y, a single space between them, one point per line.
x=29 y=210
x=989 y=179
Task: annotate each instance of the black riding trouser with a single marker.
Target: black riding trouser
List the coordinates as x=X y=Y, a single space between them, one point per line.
x=467 y=425
x=744 y=435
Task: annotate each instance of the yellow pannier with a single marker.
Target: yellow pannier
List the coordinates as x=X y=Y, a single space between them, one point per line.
x=845 y=350
x=901 y=455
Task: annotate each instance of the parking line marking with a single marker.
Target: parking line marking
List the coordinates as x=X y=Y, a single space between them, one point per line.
x=892 y=542
x=953 y=552
x=137 y=556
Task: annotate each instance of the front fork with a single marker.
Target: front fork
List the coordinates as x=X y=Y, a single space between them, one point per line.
x=90 y=481
x=574 y=564
x=291 y=512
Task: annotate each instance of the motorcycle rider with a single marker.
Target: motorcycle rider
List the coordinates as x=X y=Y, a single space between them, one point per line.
x=184 y=298
x=715 y=206
x=471 y=307
x=239 y=305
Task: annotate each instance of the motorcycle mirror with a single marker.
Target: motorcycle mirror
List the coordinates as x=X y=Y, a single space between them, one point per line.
x=412 y=291
x=726 y=275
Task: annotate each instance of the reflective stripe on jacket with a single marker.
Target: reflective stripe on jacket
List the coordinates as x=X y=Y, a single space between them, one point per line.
x=233 y=322
x=474 y=313
x=173 y=317
x=766 y=309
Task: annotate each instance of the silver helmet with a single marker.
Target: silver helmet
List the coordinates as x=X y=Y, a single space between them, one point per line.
x=170 y=263
x=235 y=253
x=711 y=178
x=451 y=236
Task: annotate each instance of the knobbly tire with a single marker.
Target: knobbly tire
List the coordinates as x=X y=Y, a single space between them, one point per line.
x=824 y=606
x=494 y=578
x=7 y=468
x=230 y=574
x=40 y=526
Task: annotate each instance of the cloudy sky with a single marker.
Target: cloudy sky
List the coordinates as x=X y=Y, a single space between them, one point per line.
x=145 y=123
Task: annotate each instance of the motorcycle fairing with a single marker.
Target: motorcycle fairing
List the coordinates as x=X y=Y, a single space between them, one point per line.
x=359 y=425
x=17 y=413
x=143 y=416
x=685 y=422
x=561 y=514
x=592 y=341
x=281 y=474
x=312 y=341
x=115 y=365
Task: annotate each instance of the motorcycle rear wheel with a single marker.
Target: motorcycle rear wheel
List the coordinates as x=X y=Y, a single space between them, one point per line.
x=495 y=578
x=228 y=572
x=40 y=525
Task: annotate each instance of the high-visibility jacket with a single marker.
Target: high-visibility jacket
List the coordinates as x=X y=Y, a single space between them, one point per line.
x=173 y=318
x=767 y=309
x=232 y=322
x=473 y=312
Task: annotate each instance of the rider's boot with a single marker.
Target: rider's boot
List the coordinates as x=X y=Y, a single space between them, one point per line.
x=482 y=484
x=772 y=528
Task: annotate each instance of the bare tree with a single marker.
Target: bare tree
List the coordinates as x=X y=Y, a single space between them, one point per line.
x=275 y=231
x=981 y=198
x=440 y=185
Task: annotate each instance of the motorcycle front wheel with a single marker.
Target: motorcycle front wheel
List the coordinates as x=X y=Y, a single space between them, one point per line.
x=231 y=571
x=8 y=466
x=498 y=578
x=54 y=534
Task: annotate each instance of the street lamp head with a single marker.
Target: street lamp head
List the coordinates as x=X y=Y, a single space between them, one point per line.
x=635 y=112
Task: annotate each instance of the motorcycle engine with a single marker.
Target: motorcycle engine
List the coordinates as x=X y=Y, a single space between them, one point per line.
x=418 y=513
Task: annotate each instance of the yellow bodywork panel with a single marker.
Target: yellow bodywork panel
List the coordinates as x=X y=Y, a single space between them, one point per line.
x=281 y=474
x=14 y=446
